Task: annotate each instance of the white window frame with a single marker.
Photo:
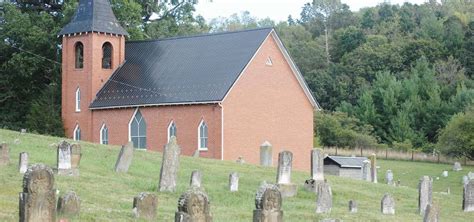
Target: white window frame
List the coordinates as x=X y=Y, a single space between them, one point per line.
x=169 y=127
x=78 y=99
x=130 y=129
x=74 y=137
x=199 y=136
x=269 y=61
x=102 y=134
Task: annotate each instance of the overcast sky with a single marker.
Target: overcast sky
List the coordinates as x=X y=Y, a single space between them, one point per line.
x=277 y=10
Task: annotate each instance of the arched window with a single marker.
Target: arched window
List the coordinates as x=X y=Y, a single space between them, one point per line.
x=138 y=130
x=78 y=100
x=107 y=55
x=79 y=50
x=104 y=135
x=202 y=135
x=172 y=130
x=77 y=133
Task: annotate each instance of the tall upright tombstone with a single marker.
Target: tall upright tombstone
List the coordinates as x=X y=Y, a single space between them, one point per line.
x=64 y=158
x=234 y=182
x=425 y=193
x=366 y=171
x=5 y=152
x=145 y=206
x=38 y=199
x=324 y=201
x=124 y=158
x=387 y=205
x=76 y=154
x=169 y=166
x=193 y=206
x=268 y=202
x=266 y=157
x=373 y=167
x=23 y=162
x=317 y=170
x=285 y=160
x=389 y=177
x=468 y=197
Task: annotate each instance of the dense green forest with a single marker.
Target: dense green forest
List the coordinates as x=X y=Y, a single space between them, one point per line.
x=391 y=75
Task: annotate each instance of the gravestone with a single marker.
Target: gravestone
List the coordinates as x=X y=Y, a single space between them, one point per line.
x=366 y=172
x=266 y=158
x=38 y=199
x=470 y=175
x=431 y=213
x=23 y=162
x=268 y=202
x=69 y=204
x=468 y=197
x=324 y=201
x=193 y=206
x=389 y=177
x=76 y=155
x=124 y=158
x=331 y=220
x=196 y=153
x=240 y=160
x=64 y=158
x=352 y=206
x=144 y=206
x=465 y=180
x=234 y=182
x=387 y=205
x=169 y=166
x=285 y=160
x=5 y=152
x=373 y=167
x=196 y=178
x=457 y=166
x=317 y=170
x=22 y=131
x=445 y=173
x=425 y=193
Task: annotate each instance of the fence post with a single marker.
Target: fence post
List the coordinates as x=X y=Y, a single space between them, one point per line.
x=362 y=154
x=386 y=153
x=412 y=153
x=438 y=156
x=465 y=160
x=336 y=151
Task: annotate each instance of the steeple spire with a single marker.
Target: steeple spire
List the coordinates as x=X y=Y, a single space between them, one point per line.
x=93 y=16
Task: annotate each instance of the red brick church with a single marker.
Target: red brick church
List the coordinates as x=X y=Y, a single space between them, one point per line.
x=223 y=94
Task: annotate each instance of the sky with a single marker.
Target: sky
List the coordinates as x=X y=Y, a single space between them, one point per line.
x=277 y=10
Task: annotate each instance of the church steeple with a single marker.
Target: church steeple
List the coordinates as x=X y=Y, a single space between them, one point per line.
x=93 y=16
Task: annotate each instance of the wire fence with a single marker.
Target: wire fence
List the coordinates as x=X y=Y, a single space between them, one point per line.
x=391 y=154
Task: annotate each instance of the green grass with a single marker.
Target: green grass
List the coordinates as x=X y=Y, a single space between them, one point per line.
x=108 y=196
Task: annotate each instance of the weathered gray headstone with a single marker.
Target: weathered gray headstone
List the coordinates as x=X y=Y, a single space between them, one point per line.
x=193 y=206
x=445 y=173
x=373 y=167
x=470 y=175
x=38 y=199
x=196 y=153
x=169 y=166
x=23 y=162
x=268 y=202
x=425 y=193
x=287 y=189
x=352 y=206
x=317 y=170
x=64 y=158
x=240 y=160
x=124 y=158
x=389 y=177
x=196 y=178
x=234 y=182
x=69 y=204
x=468 y=197
x=431 y=213
x=266 y=157
x=324 y=201
x=22 y=131
x=387 y=205
x=144 y=206
x=366 y=171
x=5 y=152
x=457 y=166
x=465 y=180
x=76 y=155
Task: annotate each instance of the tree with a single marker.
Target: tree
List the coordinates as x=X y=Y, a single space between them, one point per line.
x=346 y=40
x=457 y=139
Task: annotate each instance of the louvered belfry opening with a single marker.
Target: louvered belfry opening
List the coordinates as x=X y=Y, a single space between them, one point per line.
x=107 y=55
x=79 y=50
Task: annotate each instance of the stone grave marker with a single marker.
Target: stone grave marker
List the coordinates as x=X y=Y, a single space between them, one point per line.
x=445 y=173
x=64 y=158
x=387 y=205
x=287 y=189
x=457 y=166
x=124 y=158
x=69 y=204
x=425 y=193
x=234 y=182
x=373 y=167
x=196 y=178
x=268 y=202
x=352 y=206
x=431 y=213
x=5 y=152
x=169 y=166
x=76 y=155
x=193 y=206
x=317 y=170
x=38 y=199
x=468 y=197
x=331 y=220
x=465 y=179
x=470 y=175
x=145 y=206
x=22 y=131
x=23 y=162
x=196 y=153
x=389 y=177
x=366 y=171
x=266 y=157
x=240 y=160
x=324 y=201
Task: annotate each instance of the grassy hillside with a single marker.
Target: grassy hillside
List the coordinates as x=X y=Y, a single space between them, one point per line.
x=108 y=196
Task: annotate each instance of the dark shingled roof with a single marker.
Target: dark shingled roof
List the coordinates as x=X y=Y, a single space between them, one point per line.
x=185 y=70
x=347 y=162
x=93 y=16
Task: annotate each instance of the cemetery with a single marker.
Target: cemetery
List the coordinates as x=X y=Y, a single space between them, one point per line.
x=90 y=182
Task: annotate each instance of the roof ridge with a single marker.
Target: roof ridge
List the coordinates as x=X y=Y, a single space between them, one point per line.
x=199 y=35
